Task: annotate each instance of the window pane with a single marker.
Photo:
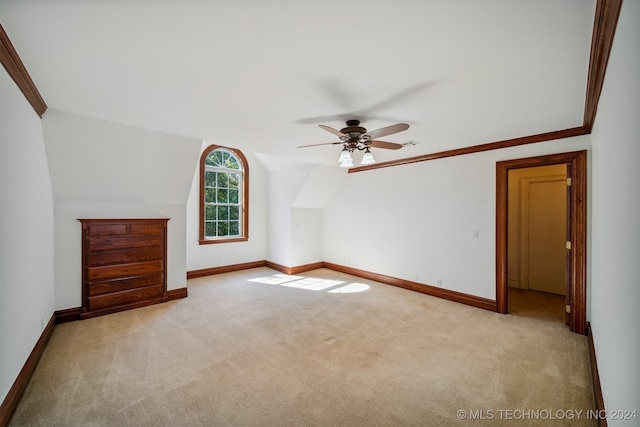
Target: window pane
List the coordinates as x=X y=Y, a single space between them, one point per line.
x=209 y=179
x=210 y=212
x=223 y=229
x=230 y=162
x=209 y=195
x=223 y=213
x=210 y=229
x=234 y=212
x=214 y=159
x=223 y=180
x=223 y=196
x=234 y=180
x=234 y=228
x=233 y=196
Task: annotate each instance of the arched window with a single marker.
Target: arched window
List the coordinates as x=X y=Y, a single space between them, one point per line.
x=224 y=195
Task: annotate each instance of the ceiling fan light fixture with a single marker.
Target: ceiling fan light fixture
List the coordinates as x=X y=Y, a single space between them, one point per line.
x=355 y=137
x=345 y=156
x=346 y=164
x=367 y=157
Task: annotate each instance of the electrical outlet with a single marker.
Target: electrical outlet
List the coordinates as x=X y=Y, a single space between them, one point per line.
x=476 y=234
x=415 y=277
x=439 y=282
x=42 y=324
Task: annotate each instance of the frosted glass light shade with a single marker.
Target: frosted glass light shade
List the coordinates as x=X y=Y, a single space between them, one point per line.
x=345 y=156
x=367 y=158
x=346 y=164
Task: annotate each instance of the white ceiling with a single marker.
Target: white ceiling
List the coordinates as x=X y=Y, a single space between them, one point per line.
x=260 y=75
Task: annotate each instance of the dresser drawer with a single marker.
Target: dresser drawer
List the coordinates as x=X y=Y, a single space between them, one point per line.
x=117 y=285
x=146 y=228
x=125 y=256
x=123 y=298
x=103 y=243
x=124 y=270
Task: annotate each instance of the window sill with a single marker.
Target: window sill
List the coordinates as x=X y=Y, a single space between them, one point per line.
x=224 y=240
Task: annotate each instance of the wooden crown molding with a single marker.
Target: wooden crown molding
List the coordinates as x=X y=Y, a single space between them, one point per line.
x=18 y=72
x=604 y=29
x=541 y=137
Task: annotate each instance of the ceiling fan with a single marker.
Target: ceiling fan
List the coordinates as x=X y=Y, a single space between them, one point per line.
x=355 y=137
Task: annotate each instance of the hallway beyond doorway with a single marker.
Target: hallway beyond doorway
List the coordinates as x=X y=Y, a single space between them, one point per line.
x=537 y=305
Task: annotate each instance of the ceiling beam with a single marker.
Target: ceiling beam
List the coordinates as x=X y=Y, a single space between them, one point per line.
x=10 y=59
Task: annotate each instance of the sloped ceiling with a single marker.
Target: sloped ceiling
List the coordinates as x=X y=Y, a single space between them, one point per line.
x=261 y=75
x=92 y=160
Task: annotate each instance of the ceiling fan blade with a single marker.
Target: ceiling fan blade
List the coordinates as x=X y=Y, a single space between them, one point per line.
x=315 y=145
x=357 y=115
x=333 y=131
x=341 y=95
x=384 y=144
x=329 y=118
x=399 y=97
x=338 y=92
x=389 y=130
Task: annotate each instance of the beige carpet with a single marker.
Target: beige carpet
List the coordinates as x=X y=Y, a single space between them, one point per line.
x=257 y=348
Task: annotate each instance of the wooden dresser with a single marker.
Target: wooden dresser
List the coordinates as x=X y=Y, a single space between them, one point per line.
x=124 y=264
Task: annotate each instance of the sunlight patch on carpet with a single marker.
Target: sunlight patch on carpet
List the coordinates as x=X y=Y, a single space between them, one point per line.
x=350 y=288
x=276 y=279
x=311 y=283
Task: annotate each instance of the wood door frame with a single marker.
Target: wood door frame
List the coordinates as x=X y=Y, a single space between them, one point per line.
x=577 y=225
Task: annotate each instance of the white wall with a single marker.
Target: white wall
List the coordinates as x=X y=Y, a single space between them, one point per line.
x=26 y=232
x=615 y=224
x=298 y=192
x=307 y=213
x=416 y=222
x=306 y=236
x=216 y=255
x=101 y=169
x=284 y=185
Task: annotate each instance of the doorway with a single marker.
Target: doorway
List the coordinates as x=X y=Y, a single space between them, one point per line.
x=536 y=235
x=570 y=268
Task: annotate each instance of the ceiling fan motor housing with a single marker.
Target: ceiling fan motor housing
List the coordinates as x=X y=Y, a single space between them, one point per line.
x=354 y=130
